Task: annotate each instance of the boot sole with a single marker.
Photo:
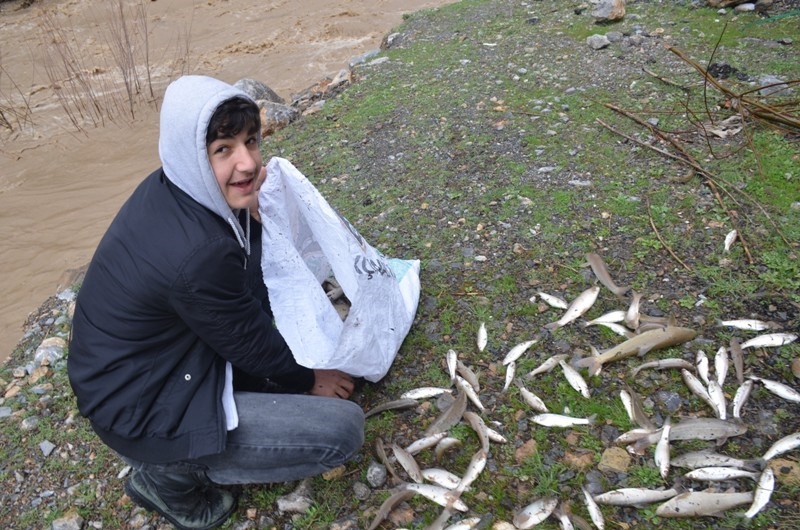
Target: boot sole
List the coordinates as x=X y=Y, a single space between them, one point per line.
x=144 y=502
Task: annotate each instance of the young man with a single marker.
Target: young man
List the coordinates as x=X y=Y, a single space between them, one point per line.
x=173 y=345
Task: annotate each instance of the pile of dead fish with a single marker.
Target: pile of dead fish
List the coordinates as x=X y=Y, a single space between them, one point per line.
x=642 y=334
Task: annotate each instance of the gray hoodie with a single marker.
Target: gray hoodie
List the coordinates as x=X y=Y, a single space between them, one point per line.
x=189 y=103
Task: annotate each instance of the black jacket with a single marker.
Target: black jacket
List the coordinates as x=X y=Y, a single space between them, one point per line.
x=168 y=297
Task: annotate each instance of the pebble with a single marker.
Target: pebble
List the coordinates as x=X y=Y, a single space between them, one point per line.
x=796 y=367
x=376 y=475
x=614 y=460
x=598 y=42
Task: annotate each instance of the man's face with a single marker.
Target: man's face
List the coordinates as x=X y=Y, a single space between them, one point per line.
x=236 y=163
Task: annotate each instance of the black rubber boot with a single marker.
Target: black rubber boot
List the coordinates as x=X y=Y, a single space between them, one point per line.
x=188 y=501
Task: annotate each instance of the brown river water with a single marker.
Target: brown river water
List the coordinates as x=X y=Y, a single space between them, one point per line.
x=60 y=185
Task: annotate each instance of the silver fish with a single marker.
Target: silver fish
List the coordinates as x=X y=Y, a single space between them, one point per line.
x=511 y=369
x=554 y=301
x=465 y=524
x=467 y=389
x=517 y=351
x=738 y=359
x=729 y=239
x=578 y=307
x=594 y=510
x=424 y=392
x=654 y=339
x=562 y=514
x=696 y=429
x=619 y=329
x=708 y=458
x=632 y=314
x=445 y=445
x=450 y=416
x=380 y=450
x=740 y=398
x=548 y=419
x=717 y=396
x=662 y=450
x=637 y=408
x=547 y=366
x=612 y=317
x=575 y=379
x=483 y=337
x=764 y=488
x=392 y=405
x=405 y=459
x=746 y=324
x=495 y=436
x=702 y=365
x=468 y=375
x=441 y=477
x=770 y=340
x=779 y=389
x=701 y=503
x=476 y=465
x=452 y=358
x=637 y=434
x=388 y=505
x=721 y=364
x=634 y=496
x=721 y=473
x=439 y=522
x=532 y=399
x=425 y=442
x=663 y=364
x=480 y=428
x=784 y=445
x=437 y=494
x=601 y=273
x=535 y=513
x=697 y=388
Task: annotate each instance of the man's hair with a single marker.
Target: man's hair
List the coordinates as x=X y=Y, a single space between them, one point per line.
x=232 y=117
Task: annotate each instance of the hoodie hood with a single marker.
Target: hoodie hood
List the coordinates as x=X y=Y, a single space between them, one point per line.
x=189 y=103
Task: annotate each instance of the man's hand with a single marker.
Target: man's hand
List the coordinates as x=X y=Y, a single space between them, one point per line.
x=262 y=176
x=332 y=383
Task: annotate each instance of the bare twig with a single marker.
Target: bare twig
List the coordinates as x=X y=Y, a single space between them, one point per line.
x=660 y=239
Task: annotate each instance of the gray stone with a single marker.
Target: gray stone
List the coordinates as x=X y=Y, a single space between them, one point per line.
x=5 y=412
x=258 y=90
x=609 y=11
x=597 y=42
x=275 y=116
x=298 y=501
x=749 y=6
x=47 y=447
x=361 y=491
x=614 y=36
x=376 y=475
x=71 y=521
x=778 y=85
x=29 y=424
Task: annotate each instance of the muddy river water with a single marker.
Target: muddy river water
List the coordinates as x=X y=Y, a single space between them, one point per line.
x=60 y=185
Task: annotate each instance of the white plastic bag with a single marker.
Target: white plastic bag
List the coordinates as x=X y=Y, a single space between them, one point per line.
x=305 y=242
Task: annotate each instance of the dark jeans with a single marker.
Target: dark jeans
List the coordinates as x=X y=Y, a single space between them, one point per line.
x=280 y=438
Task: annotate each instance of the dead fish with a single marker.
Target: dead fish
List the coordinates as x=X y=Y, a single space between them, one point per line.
x=535 y=513
x=562 y=513
x=729 y=239
x=475 y=467
x=632 y=314
x=578 y=307
x=495 y=436
x=720 y=473
x=465 y=524
x=468 y=375
x=770 y=340
x=594 y=510
x=601 y=273
x=439 y=522
x=424 y=392
x=575 y=379
x=634 y=496
x=746 y=324
x=636 y=434
x=764 y=488
x=407 y=461
x=548 y=419
x=661 y=455
x=517 y=351
x=637 y=410
x=738 y=359
x=388 y=505
x=483 y=337
x=740 y=398
x=547 y=366
x=449 y=417
x=721 y=364
x=717 y=396
x=612 y=317
x=467 y=389
x=445 y=445
x=701 y=503
x=437 y=494
x=784 y=445
x=708 y=458
x=380 y=451
x=697 y=388
x=441 y=477
x=640 y=344
x=619 y=329
x=554 y=301
x=663 y=364
x=480 y=428
x=532 y=399
x=452 y=359
x=511 y=369
x=696 y=429
x=701 y=360
x=425 y=442
x=392 y=405
x=779 y=389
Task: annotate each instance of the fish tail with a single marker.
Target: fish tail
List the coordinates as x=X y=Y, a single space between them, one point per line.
x=592 y=419
x=552 y=325
x=591 y=363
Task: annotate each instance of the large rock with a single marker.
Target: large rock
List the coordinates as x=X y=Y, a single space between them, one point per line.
x=609 y=11
x=258 y=90
x=275 y=116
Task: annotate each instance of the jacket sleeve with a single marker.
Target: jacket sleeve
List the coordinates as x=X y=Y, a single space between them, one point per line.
x=213 y=295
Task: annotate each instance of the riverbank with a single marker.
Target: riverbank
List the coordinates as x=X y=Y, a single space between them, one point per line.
x=482 y=142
